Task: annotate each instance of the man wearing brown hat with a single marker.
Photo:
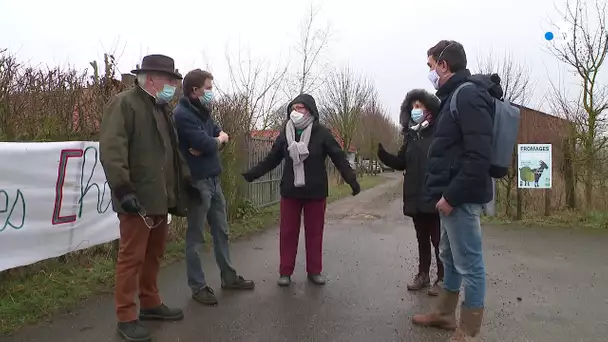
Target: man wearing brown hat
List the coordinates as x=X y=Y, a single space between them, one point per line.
x=149 y=179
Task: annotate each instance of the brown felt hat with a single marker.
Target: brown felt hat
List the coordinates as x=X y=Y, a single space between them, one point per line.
x=158 y=63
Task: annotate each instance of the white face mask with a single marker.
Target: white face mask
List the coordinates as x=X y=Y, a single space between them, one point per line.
x=296 y=117
x=434 y=78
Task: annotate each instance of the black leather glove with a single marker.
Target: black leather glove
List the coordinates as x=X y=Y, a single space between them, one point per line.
x=381 y=148
x=130 y=204
x=356 y=188
x=193 y=193
x=248 y=177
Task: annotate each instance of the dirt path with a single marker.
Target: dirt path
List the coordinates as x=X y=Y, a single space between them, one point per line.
x=544 y=285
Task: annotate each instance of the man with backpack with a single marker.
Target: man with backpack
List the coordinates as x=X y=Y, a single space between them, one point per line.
x=462 y=160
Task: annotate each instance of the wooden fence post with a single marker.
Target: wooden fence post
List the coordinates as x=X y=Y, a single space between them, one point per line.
x=519 y=204
x=547 y=202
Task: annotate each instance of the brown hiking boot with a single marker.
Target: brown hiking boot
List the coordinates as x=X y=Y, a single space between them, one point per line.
x=470 y=324
x=421 y=280
x=444 y=315
x=434 y=291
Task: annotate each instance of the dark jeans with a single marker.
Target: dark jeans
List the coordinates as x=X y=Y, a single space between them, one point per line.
x=314 y=222
x=428 y=230
x=213 y=210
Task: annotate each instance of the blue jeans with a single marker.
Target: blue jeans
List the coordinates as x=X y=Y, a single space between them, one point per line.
x=213 y=209
x=461 y=254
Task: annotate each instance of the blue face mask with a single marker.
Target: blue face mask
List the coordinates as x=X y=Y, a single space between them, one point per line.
x=207 y=97
x=166 y=94
x=417 y=115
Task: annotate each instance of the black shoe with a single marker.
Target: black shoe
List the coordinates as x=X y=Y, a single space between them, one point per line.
x=161 y=313
x=133 y=331
x=317 y=279
x=205 y=296
x=239 y=284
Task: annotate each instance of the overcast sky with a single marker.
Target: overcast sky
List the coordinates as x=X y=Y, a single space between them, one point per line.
x=386 y=40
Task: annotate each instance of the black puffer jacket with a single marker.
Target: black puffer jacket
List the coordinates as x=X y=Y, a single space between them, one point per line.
x=412 y=157
x=459 y=156
x=322 y=144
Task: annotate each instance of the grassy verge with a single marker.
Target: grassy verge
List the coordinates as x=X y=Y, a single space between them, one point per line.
x=38 y=291
x=592 y=220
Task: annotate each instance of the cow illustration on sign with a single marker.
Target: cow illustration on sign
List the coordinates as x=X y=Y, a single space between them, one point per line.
x=528 y=174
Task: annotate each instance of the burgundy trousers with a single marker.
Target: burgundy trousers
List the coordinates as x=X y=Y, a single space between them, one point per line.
x=428 y=231
x=314 y=222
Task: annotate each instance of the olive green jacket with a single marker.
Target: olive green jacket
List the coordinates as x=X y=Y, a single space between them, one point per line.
x=132 y=150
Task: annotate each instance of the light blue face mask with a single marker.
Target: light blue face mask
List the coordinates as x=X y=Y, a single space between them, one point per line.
x=417 y=115
x=166 y=94
x=207 y=97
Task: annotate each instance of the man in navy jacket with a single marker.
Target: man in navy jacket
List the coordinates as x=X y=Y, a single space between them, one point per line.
x=200 y=139
x=458 y=181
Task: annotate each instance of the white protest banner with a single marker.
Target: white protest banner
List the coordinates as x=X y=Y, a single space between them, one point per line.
x=534 y=166
x=54 y=199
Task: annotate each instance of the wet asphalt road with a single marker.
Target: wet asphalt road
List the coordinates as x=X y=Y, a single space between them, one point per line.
x=543 y=285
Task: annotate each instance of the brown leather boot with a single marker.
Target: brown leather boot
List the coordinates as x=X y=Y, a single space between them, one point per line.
x=470 y=324
x=444 y=315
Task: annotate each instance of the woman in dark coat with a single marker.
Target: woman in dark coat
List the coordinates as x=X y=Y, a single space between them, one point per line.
x=417 y=119
x=303 y=144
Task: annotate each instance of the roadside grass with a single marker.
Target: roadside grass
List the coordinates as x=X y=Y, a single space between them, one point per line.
x=33 y=293
x=580 y=220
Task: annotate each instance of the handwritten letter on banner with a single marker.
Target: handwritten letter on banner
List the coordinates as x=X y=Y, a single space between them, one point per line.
x=54 y=199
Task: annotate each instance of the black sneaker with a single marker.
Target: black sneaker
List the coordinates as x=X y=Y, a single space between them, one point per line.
x=161 y=313
x=239 y=284
x=205 y=296
x=133 y=331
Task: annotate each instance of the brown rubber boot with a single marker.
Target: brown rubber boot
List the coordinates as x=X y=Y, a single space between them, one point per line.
x=470 y=325
x=444 y=315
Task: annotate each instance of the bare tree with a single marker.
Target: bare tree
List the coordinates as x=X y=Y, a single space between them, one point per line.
x=313 y=41
x=258 y=84
x=277 y=117
x=345 y=96
x=518 y=89
x=514 y=76
x=375 y=127
x=584 y=50
x=569 y=109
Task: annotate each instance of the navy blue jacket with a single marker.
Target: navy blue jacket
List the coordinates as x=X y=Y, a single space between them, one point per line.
x=197 y=130
x=459 y=157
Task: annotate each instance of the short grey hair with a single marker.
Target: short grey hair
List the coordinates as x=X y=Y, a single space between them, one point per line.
x=141 y=79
